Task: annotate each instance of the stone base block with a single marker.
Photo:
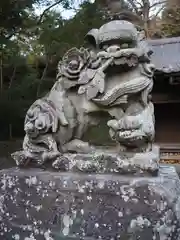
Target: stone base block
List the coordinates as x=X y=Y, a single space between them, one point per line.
x=37 y=205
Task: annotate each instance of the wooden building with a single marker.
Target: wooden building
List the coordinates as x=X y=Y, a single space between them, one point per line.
x=166 y=96
x=166 y=91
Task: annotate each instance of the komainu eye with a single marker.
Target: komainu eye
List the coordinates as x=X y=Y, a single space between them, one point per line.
x=39 y=124
x=105 y=47
x=124 y=45
x=30 y=114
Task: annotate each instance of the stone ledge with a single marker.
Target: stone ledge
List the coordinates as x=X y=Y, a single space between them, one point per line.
x=110 y=161
x=39 y=205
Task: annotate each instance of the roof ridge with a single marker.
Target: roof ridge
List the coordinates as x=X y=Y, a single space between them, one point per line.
x=163 y=41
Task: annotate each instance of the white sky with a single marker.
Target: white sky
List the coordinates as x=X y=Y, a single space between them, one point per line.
x=65 y=13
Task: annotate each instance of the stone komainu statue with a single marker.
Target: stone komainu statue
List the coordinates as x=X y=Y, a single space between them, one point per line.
x=115 y=76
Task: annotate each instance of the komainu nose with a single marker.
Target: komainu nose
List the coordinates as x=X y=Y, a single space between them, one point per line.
x=113 y=49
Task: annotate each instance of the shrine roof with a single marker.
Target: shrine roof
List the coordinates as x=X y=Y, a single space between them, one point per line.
x=166 y=54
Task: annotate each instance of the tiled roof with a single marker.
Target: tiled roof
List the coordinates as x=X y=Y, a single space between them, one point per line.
x=166 y=54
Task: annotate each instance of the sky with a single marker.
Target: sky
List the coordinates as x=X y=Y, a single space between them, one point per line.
x=65 y=13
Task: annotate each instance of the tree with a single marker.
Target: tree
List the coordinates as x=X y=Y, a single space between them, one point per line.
x=142 y=12
x=111 y=9
x=13 y=14
x=148 y=10
x=171 y=19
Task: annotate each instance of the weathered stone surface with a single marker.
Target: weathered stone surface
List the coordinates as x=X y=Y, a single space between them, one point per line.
x=111 y=161
x=37 y=205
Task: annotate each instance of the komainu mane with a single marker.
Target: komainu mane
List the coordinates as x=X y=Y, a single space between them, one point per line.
x=115 y=76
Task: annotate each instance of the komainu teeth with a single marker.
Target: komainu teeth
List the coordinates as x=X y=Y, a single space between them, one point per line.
x=131 y=135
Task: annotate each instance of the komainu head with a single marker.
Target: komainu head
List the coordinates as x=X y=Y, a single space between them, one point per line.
x=121 y=41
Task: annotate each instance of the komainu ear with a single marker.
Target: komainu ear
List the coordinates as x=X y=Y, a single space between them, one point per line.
x=92 y=37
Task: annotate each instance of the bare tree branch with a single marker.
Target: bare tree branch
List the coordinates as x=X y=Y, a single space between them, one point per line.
x=47 y=9
x=158 y=3
x=12 y=77
x=138 y=3
x=134 y=6
x=157 y=13
x=42 y=77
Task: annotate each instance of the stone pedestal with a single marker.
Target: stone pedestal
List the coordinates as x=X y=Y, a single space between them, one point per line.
x=46 y=205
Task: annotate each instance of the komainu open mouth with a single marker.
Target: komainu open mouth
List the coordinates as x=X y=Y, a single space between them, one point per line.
x=131 y=61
